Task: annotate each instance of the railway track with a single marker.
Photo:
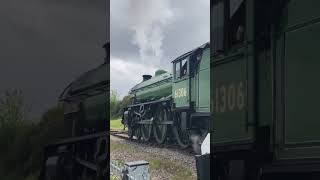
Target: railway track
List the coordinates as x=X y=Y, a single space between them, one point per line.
x=169 y=145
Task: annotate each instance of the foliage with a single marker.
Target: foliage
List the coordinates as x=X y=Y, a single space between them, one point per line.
x=114 y=104
x=12 y=108
x=125 y=102
x=116 y=124
x=117 y=105
x=21 y=142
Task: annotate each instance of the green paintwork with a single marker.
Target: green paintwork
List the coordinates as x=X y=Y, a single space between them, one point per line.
x=297 y=49
x=85 y=99
x=159 y=72
x=195 y=86
x=301 y=67
x=155 y=88
x=282 y=89
x=95 y=109
x=230 y=101
x=232 y=88
x=183 y=86
x=202 y=81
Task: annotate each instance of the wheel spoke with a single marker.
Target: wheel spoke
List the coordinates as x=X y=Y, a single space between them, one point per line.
x=138 y=132
x=160 y=130
x=182 y=137
x=130 y=132
x=146 y=132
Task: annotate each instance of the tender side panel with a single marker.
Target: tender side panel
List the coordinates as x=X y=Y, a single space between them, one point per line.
x=302 y=11
x=300 y=72
x=302 y=87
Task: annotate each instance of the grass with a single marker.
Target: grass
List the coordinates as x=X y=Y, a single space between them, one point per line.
x=115 y=146
x=177 y=171
x=174 y=170
x=115 y=124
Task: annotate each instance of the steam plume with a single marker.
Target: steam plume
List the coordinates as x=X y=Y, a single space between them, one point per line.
x=148 y=20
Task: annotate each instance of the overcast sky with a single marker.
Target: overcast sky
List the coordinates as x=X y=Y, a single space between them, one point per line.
x=46 y=44
x=148 y=34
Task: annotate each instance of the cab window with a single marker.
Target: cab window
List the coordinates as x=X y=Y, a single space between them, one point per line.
x=237 y=22
x=184 y=67
x=177 y=70
x=181 y=68
x=228 y=21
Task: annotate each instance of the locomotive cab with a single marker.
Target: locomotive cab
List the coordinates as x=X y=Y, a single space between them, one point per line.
x=190 y=92
x=263 y=61
x=191 y=73
x=181 y=83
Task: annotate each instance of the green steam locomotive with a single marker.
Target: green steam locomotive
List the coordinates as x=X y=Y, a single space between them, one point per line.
x=173 y=106
x=264 y=86
x=84 y=153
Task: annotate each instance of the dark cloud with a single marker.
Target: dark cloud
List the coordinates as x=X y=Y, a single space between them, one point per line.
x=45 y=44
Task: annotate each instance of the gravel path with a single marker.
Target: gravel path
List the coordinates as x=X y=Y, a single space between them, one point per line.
x=142 y=151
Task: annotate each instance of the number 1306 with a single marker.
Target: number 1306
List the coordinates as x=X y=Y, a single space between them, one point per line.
x=229 y=97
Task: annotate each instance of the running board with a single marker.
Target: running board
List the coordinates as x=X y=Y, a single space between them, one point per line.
x=147 y=121
x=78 y=139
x=165 y=122
x=150 y=121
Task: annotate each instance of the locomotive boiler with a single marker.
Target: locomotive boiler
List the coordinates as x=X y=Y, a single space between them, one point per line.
x=153 y=88
x=173 y=107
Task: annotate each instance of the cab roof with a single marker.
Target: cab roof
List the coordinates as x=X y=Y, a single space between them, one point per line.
x=190 y=52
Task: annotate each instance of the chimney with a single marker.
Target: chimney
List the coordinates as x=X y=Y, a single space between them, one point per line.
x=106 y=46
x=146 y=77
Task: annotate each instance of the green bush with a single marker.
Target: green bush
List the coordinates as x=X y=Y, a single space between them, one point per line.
x=21 y=142
x=117 y=105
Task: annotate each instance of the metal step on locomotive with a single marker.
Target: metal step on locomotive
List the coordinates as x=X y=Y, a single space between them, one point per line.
x=85 y=154
x=168 y=107
x=265 y=89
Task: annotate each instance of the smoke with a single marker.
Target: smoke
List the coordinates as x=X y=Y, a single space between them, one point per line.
x=148 y=19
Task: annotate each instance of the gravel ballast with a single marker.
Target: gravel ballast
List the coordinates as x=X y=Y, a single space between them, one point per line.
x=165 y=163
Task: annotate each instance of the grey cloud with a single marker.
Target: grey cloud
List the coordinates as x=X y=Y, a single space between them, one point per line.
x=188 y=28
x=45 y=44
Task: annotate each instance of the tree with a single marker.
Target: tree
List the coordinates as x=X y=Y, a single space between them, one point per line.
x=13 y=130
x=114 y=104
x=12 y=108
x=126 y=100
x=21 y=143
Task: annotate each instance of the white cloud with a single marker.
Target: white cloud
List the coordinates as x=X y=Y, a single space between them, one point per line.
x=148 y=19
x=126 y=74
